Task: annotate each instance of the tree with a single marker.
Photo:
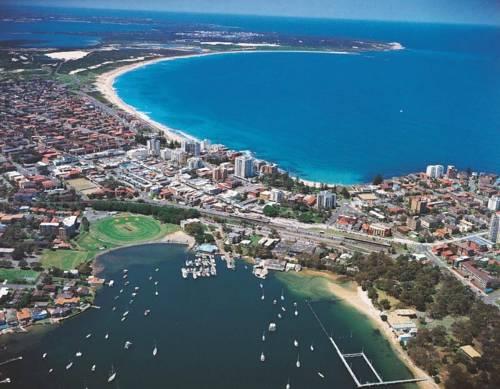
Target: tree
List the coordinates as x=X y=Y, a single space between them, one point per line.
x=271 y=210
x=384 y=303
x=18 y=253
x=378 y=179
x=85 y=224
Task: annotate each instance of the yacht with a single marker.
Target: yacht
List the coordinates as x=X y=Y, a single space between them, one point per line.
x=146 y=312
x=262 y=357
x=51 y=370
x=272 y=327
x=121 y=290
x=150 y=278
x=112 y=377
x=156 y=282
x=288 y=384
x=312 y=347
x=275 y=301
x=44 y=355
x=111 y=283
x=264 y=336
x=282 y=296
x=106 y=336
x=296 y=343
x=261 y=286
x=320 y=374
x=155 y=351
x=279 y=316
x=283 y=309
x=125 y=313
x=92 y=368
x=262 y=297
x=156 y=293
x=78 y=354
x=157 y=270
x=127 y=345
x=124 y=318
x=88 y=336
x=68 y=366
x=113 y=309
x=6 y=381
x=298 y=361
x=296 y=313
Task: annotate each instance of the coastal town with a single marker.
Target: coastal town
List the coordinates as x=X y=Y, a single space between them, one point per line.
x=82 y=174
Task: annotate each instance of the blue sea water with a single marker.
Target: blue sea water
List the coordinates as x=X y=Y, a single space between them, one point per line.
x=330 y=118
x=333 y=118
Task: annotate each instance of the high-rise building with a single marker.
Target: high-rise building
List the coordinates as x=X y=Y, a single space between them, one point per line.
x=326 y=200
x=451 y=172
x=277 y=195
x=494 y=231
x=494 y=203
x=219 y=173
x=191 y=147
x=418 y=205
x=434 y=171
x=153 y=146
x=178 y=156
x=194 y=163
x=166 y=154
x=243 y=166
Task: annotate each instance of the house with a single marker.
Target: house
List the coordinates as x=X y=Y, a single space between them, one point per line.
x=470 y=351
x=24 y=316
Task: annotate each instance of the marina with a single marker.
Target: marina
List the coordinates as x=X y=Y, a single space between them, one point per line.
x=266 y=352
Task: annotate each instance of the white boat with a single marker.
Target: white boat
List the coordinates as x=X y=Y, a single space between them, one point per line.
x=275 y=301
x=127 y=345
x=88 y=336
x=155 y=351
x=78 y=354
x=262 y=297
x=279 y=316
x=157 y=269
x=131 y=301
x=320 y=374
x=44 y=355
x=112 y=377
x=264 y=336
x=282 y=296
x=156 y=293
x=146 y=312
x=156 y=282
x=150 y=278
x=113 y=309
x=133 y=294
x=124 y=318
x=262 y=357
x=6 y=381
x=51 y=370
x=68 y=366
x=288 y=384
x=92 y=368
x=295 y=303
x=125 y=270
x=137 y=288
x=111 y=283
x=261 y=286
x=311 y=348
x=296 y=313
x=106 y=336
x=125 y=276
x=125 y=313
x=298 y=361
x=272 y=327
x=296 y=343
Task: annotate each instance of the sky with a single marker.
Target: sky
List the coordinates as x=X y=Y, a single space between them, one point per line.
x=445 y=11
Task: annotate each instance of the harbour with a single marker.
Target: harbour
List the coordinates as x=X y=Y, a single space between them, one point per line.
x=215 y=321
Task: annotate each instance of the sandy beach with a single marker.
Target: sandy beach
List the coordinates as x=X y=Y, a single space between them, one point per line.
x=358 y=299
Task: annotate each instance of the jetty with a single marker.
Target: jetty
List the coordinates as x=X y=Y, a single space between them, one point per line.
x=343 y=357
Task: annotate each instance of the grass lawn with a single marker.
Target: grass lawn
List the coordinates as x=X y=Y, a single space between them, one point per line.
x=12 y=275
x=111 y=232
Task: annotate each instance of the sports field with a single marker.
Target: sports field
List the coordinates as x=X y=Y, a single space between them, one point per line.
x=107 y=233
x=16 y=275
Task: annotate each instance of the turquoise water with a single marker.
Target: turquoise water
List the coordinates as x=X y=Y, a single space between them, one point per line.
x=333 y=118
x=208 y=334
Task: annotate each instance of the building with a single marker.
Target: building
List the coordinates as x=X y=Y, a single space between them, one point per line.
x=153 y=146
x=219 y=173
x=494 y=203
x=194 y=163
x=379 y=229
x=69 y=224
x=478 y=276
x=178 y=156
x=418 y=205
x=494 y=231
x=166 y=154
x=451 y=172
x=434 y=171
x=49 y=228
x=243 y=166
x=276 y=195
x=191 y=147
x=326 y=200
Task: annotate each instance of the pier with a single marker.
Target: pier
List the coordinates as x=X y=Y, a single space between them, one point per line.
x=343 y=357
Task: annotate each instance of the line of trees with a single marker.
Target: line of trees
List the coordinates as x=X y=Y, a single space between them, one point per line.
x=164 y=213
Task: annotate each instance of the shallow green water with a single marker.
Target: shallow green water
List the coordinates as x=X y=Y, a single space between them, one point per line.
x=208 y=333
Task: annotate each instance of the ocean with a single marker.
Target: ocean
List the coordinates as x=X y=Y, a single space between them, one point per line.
x=208 y=332
x=324 y=117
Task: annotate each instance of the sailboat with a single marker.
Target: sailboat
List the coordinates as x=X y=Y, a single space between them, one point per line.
x=88 y=336
x=51 y=370
x=296 y=343
x=68 y=366
x=155 y=351
x=264 y=336
x=112 y=377
x=106 y=336
x=282 y=295
x=262 y=357
x=44 y=355
x=279 y=315
x=156 y=293
x=288 y=384
x=92 y=368
x=312 y=347
x=262 y=297
x=320 y=374
x=298 y=361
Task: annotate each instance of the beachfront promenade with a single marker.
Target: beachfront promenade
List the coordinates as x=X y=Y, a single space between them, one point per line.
x=344 y=357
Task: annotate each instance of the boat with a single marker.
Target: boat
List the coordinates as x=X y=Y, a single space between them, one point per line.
x=282 y=296
x=296 y=313
x=275 y=301
x=106 y=336
x=298 y=361
x=125 y=276
x=131 y=301
x=137 y=288
x=264 y=336
x=296 y=343
x=68 y=366
x=295 y=303
x=155 y=351
x=127 y=345
x=113 y=309
x=272 y=327
x=156 y=293
x=262 y=297
x=279 y=316
x=262 y=357
x=320 y=374
x=125 y=313
x=283 y=309
x=288 y=384
x=146 y=312
x=111 y=283
x=112 y=377
x=6 y=381
x=133 y=294
x=92 y=368
x=150 y=278
x=78 y=354
x=51 y=370
x=157 y=270
x=88 y=336
x=124 y=318
x=261 y=286
x=156 y=282
x=44 y=355
x=312 y=347
x=125 y=270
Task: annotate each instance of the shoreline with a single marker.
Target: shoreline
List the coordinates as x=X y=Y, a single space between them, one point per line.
x=104 y=83
x=358 y=300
